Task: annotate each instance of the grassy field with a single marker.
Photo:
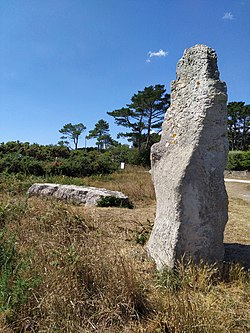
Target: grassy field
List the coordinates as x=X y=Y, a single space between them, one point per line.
x=68 y=268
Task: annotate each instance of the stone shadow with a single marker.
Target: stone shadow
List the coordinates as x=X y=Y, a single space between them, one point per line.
x=238 y=253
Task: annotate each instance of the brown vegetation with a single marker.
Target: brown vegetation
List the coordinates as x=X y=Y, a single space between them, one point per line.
x=93 y=274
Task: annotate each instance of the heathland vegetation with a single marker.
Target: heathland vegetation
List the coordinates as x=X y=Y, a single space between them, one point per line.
x=68 y=268
x=50 y=160
x=141 y=121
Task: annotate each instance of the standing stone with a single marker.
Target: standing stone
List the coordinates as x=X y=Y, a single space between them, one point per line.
x=188 y=165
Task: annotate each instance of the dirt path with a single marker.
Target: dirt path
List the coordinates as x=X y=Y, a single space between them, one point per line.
x=237 y=232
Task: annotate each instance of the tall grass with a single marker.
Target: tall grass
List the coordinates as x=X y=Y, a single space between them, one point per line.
x=15 y=280
x=133 y=181
x=95 y=275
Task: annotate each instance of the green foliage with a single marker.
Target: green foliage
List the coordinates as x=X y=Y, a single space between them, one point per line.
x=85 y=164
x=12 y=211
x=15 y=163
x=169 y=279
x=77 y=163
x=15 y=282
x=143 y=116
x=39 y=152
x=122 y=153
x=143 y=234
x=101 y=133
x=15 y=184
x=71 y=132
x=186 y=275
x=112 y=201
x=238 y=125
x=238 y=160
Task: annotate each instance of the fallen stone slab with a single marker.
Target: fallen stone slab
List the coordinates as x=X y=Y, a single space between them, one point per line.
x=89 y=196
x=188 y=165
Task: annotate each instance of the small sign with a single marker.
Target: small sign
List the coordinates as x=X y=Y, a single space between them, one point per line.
x=122 y=165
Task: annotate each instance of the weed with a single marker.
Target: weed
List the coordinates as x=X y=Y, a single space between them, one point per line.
x=12 y=211
x=169 y=278
x=142 y=235
x=186 y=275
x=112 y=201
x=15 y=184
x=15 y=284
x=64 y=180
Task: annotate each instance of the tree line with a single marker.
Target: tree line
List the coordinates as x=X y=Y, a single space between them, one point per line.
x=142 y=121
x=238 y=126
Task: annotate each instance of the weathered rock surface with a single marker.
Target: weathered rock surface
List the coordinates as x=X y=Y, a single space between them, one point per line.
x=78 y=194
x=188 y=165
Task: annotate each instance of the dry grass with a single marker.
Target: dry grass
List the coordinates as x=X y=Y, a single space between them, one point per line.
x=95 y=277
x=133 y=181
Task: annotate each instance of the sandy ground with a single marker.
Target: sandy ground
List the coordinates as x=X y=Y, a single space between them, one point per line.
x=237 y=232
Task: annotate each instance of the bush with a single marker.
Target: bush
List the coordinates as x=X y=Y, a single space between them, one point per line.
x=31 y=166
x=15 y=163
x=34 y=150
x=15 y=282
x=143 y=234
x=238 y=160
x=122 y=153
x=16 y=184
x=79 y=164
x=10 y=163
x=112 y=201
x=12 y=211
x=82 y=164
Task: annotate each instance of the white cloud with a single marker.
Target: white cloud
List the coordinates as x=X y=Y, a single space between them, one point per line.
x=158 y=54
x=228 y=16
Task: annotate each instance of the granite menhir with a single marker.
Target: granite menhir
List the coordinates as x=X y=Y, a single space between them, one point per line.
x=188 y=165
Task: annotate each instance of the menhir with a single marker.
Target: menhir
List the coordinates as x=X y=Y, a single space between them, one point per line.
x=188 y=165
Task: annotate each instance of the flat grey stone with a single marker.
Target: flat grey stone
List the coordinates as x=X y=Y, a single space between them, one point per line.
x=89 y=196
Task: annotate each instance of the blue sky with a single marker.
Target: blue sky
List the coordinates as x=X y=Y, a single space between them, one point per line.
x=72 y=61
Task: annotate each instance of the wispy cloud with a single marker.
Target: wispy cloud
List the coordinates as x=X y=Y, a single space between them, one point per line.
x=158 y=54
x=228 y=16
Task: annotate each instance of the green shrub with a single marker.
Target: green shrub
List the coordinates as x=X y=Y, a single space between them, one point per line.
x=16 y=163
x=39 y=152
x=15 y=184
x=122 y=153
x=112 y=201
x=143 y=234
x=79 y=164
x=186 y=275
x=238 y=160
x=31 y=166
x=12 y=211
x=10 y=163
x=15 y=282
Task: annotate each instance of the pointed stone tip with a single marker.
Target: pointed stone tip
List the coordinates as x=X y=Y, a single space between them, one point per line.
x=198 y=60
x=200 y=48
